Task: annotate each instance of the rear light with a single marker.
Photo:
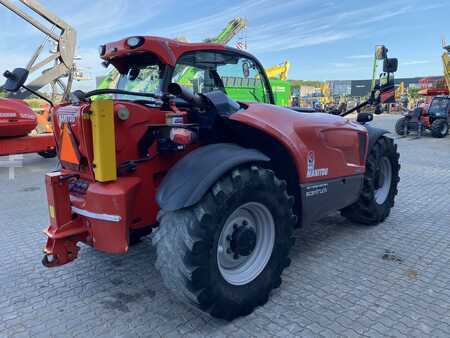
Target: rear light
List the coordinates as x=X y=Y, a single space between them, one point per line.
x=123 y=113
x=182 y=136
x=135 y=42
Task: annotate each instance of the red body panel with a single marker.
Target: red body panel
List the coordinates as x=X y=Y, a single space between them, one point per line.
x=16 y=118
x=26 y=144
x=167 y=50
x=331 y=138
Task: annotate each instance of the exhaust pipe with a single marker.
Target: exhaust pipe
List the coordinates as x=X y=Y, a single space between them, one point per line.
x=186 y=94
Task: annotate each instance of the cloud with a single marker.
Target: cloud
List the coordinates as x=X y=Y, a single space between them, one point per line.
x=201 y=28
x=341 y=64
x=434 y=6
x=414 y=62
x=384 y=16
x=360 y=56
x=116 y=16
x=270 y=43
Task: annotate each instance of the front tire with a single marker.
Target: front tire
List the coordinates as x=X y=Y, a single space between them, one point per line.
x=439 y=128
x=380 y=184
x=400 y=126
x=225 y=254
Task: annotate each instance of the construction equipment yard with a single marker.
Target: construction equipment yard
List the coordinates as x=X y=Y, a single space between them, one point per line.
x=170 y=176
x=344 y=279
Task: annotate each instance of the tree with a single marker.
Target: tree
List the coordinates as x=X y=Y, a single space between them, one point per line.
x=413 y=93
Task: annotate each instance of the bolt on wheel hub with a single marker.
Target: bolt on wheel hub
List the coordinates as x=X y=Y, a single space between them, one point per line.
x=243 y=241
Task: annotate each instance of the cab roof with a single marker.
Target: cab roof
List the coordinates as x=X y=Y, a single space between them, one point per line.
x=167 y=50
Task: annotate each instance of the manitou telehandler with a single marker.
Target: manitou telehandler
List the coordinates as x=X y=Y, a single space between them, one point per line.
x=222 y=183
x=433 y=117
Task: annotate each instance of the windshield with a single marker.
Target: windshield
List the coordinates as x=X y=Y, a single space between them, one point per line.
x=439 y=106
x=146 y=78
x=237 y=76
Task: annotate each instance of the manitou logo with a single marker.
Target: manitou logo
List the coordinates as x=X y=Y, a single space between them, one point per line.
x=66 y=115
x=311 y=171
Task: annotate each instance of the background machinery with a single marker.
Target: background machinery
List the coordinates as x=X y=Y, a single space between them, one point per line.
x=279 y=71
x=57 y=70
x=278 y=75
x=446 y=63
x=433 y=117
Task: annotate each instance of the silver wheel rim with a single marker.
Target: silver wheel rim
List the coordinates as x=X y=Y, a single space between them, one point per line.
x=385 y=177
x=244 y=269
x=445 y=129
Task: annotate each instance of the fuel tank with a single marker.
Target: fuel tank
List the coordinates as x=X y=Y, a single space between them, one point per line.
x=323 y=146
x=16 y=118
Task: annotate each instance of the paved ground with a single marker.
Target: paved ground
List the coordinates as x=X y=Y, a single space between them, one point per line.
x=345 y=279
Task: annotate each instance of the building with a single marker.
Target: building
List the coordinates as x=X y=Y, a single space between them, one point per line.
x=359 y=88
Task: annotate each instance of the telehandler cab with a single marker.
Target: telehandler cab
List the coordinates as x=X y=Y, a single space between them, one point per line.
x=222 y=183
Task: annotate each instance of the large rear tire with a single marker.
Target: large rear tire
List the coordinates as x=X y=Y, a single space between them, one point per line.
x=400 y=126
x=225 y=254
x=380 y=184
x=439 y=128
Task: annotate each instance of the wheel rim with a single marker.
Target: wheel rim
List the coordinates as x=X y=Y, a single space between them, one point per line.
x=444 y=129
x=384 y=181
x=246 y=243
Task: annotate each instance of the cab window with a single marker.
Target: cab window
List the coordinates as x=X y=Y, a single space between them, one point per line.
x=237 y=76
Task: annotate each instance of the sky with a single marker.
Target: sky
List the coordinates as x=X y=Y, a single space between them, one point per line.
x=323 y=40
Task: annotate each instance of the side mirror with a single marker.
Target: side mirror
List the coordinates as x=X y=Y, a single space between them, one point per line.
x=15 y=80
x=246 y=70
x=390 y=65
x=364 y=117
x=381 y=52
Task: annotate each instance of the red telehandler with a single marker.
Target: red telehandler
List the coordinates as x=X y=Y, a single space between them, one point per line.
x=222 y=183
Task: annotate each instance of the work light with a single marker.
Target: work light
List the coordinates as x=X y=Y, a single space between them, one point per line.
x=135 y=42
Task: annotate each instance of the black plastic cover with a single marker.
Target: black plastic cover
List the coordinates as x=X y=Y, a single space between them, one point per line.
x=222 y=103
x=191 y=177
x=15 y=79
x=374 y=134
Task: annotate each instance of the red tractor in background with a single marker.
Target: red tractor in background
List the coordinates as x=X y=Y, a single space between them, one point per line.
x=223 y=183
x=433 y=117
x=17 y=123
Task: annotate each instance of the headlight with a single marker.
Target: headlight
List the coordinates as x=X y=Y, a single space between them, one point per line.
x=135 y=42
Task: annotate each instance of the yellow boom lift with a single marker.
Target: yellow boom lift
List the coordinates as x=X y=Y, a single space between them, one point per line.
x=281 y=71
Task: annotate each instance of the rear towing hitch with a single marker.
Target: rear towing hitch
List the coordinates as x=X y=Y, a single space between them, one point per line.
x=59 y=252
